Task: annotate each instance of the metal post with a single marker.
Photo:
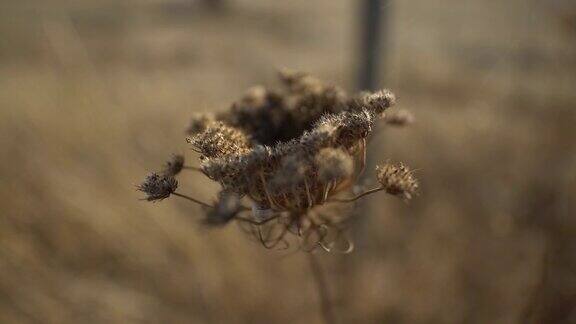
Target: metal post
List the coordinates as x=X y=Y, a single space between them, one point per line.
x=373 y=27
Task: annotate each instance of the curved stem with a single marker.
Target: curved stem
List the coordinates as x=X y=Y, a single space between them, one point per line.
x=322 y=287
x=365 y=193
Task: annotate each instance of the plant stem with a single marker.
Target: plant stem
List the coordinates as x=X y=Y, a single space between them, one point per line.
x=193 y=200
x=323 y=294
x=368 y=192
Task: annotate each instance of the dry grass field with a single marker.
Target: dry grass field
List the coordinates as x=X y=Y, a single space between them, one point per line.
x=95 y=94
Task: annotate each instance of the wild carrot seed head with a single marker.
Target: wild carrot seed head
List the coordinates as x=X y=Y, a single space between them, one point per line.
x=289 y=151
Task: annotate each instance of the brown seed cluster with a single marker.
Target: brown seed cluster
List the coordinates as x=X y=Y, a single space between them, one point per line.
x=158 y=187
x=288 y=151
x=397 y=180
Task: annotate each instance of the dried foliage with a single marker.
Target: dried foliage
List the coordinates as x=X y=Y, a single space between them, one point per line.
x=289 y=152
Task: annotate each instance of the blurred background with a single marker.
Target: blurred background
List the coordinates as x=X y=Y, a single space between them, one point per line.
x=95 y=94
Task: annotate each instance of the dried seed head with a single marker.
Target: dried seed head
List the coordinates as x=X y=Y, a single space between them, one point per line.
x=225 y=209
x=351 y=126
x=397 y=180
x=173 y=166
x=199 y=123
x=158 y=187
x=399 y=118
x=376 y=102
x=219 y=139
x=333 y=164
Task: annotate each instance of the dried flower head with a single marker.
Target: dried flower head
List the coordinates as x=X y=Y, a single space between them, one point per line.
x=219 y=139
x=376 y=102
x=397 y=180
x=173 y=166
x=158 y=187
x=288 y=151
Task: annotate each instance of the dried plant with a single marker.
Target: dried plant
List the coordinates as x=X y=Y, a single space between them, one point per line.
x=289 y=153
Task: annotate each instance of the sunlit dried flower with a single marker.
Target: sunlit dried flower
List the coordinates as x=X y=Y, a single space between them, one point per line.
x=173 y=166
x=219 y=139
x=289 y=152
x=158 y=187
x=397 y=180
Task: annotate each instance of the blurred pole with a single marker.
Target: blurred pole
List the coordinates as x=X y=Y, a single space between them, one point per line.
x=373 y=26
x=373 y=29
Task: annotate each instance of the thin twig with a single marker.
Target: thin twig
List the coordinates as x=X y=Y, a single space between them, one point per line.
x=323 y=294
x=193 y=200
x=346 y=200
